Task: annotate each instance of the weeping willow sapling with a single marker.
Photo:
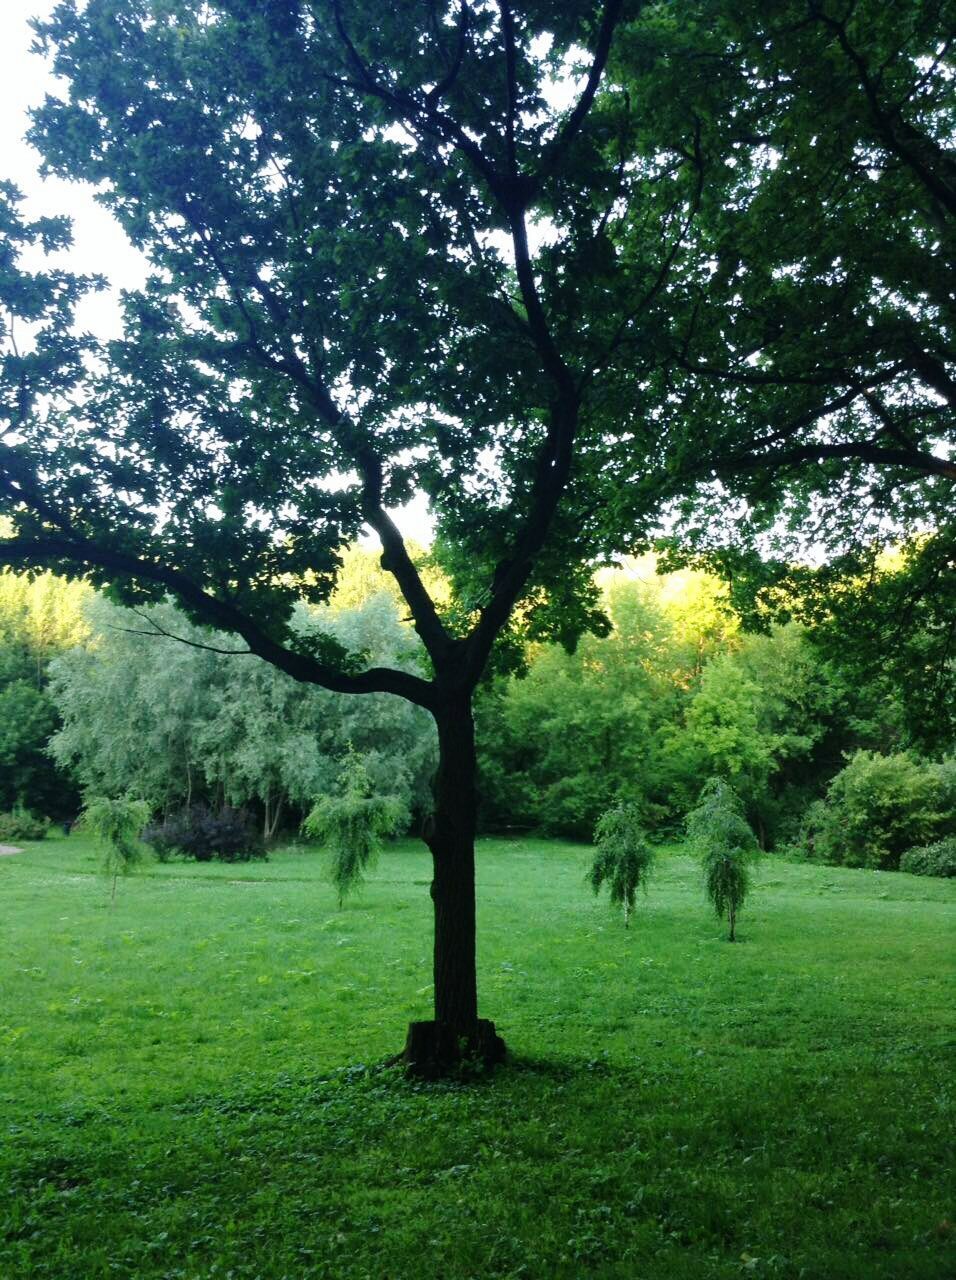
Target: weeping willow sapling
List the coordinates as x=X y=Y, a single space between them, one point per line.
x=116 y=825
x=624 y=857
x=727 y=847
x=353 y=824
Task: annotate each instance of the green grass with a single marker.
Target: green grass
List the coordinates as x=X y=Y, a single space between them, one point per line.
x=182 y=1091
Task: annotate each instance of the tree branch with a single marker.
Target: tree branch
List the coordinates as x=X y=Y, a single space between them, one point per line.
x=572 y=126
x=220 y=614
x=161 y=633
x=511 y=73
x=396 y=560
x=864 y=451
x=890 y=124
x=661 y=278
x=514 y=192
x=435 y=95
x=423 y=113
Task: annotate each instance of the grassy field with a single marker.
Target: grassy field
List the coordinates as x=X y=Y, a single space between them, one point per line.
x=189 y=1080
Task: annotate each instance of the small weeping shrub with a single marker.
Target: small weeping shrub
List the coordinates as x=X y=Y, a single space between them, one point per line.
x=623 y=858
x=727 y=847
x=353 y=825
x=116 y=825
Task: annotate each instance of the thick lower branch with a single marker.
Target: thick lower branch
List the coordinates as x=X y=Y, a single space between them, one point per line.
x=863 y=451
x=217 y=613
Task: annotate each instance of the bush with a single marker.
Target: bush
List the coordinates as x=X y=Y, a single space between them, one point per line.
x=624 y=857
x=572 y=806
x=808 y=843
x=353 y=824
x=116 y=824
x=229 y=835
x=937 y=859
x=877 y=807
x=21 y=825
x=727 y=846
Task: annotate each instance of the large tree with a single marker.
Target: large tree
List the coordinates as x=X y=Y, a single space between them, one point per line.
x=422 y=247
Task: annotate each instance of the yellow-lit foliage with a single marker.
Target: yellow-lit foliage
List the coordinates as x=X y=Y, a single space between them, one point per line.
x=44 y=613
x=362 y=577
x=684 y=616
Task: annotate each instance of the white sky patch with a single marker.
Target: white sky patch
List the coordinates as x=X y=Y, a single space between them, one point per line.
x=100 y=246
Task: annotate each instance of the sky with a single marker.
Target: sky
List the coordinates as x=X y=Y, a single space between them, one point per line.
x=99 y=246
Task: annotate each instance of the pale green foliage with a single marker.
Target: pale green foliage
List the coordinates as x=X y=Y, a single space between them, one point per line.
x=802 y=715
x=726 y=845
x=723 y=727
x=116 y=825
x=664 y=700
x=181 y=725
x=624 y=857
x=760 y=717
x=353 y=824
x=687 y=609
x=361 y=577
x=40 y=616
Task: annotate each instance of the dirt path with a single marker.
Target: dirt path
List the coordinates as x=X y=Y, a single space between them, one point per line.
x=8 y=848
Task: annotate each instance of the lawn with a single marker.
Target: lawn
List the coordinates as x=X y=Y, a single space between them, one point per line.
x=190 y=1080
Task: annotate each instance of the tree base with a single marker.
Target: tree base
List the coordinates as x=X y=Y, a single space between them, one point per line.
x=434 y=1049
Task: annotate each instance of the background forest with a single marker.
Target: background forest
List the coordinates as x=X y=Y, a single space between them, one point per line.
x=835 y=731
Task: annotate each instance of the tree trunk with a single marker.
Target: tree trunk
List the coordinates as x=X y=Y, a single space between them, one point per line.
x=456 y=1034
x=276 y=817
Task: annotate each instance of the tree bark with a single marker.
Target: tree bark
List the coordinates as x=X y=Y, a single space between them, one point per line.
x=451 y=838
x=457 y=1034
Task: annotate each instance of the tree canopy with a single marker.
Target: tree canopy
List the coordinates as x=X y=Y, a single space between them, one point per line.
x=387 y=258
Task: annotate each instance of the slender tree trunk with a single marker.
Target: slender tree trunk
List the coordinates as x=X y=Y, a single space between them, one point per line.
x=451 y=839
x=457 y=1032
x=276 y=816
x=733 y=923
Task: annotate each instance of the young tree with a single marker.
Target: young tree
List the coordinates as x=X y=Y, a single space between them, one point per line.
x=624 y=857
x=387 y=258
x=116 y=825
x=353 y=824
x=727 y=847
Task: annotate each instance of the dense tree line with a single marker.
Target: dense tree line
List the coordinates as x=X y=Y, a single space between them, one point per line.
x=145 y=703
x=677 y=693
x=40 y=617
x=180 y=724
